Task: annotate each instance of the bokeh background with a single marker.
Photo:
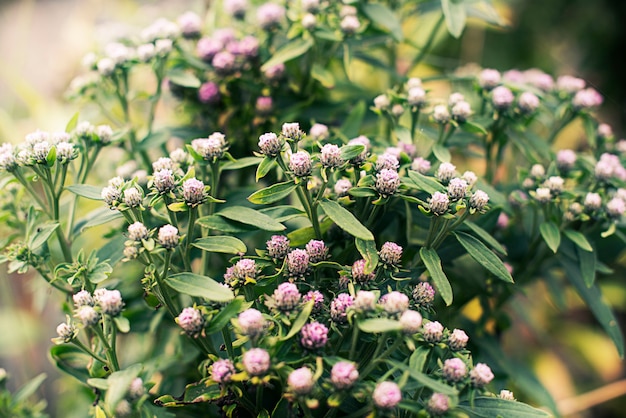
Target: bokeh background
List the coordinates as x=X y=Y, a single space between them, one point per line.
x=41 y=46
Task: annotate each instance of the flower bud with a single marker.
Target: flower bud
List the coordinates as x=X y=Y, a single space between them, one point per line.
x=278 y=246
x=292 y=131
x=350 y=24
x=420 y=165
x=66 y=332
x=168 y=236
x=390 y=254
x=190 y=24
x=236 y=8
x=365 y=301
x=256 y=361
x=441 y=114
x=164 y=181
x=565 y=159
x=193 y=192
x=479 y=200
x=432 y=332
x=410 y=321
x=209 y=93
x=382 y=102
x=136 y=389
x=298 y=263
x=387 y=395
x=222 y=370
x=423 y=294
x=457 y=188
x=313 y=336
x=319 y=132
x=506 y=395
x=489 y=78
x=87 y=315
x=543 y=194
x=445 y=172
x=358 y=272
x=615 y=207
x=527 y=102
x=252 y=323
x=330 y=156
x=416 y=96
x=317 y=251
x=569 y=84
x=343 y=375
x=270 y=15
x=191 y=321
x=132 y=197
x=461 y=111
x=438 y=404
x=454 y=370
x=342 y=186
x=481 y=375
x=110 y=301
x=286 y=297
x=270 y=144
x=318 y=300
x=387 y=182
x=395 y=302
x=587 y=99
x=502 y=98
x=301 y=381
x=439 y=203
x=83 y=298
x=457 y=340
x=339 y=307
x=300 y=164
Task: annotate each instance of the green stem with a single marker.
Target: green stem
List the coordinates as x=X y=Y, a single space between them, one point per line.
x=111 y=358
x=259 y=398
x=86 y=349
x=189 y=238
x=228 y=342
x=355 y=341
x=429 y=42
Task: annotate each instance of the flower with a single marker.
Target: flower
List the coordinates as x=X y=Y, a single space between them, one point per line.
x=410 y=321
x=270 y=144
x=365 y=301
x=569 y=84
x=87 y=315
x=445 y=172
x=479 y=200
x=420 y=165
x=110 y=301
x=527 y=102
x=209 y=93
x=592 y=202
x=457 y=188
x=432 y=332
x=317 y=251
x=387 y=182
x=286 y=297
x=313 y=336
x=438 y=203
x=252 y=323
x=416 y=96
x=543 y=194
x=390 y=254
x=193 y=192
x=300 y=164
x=236 y=8
x=277 y=246
x=489 y=78
x=387 y=161
x=132 y=197
x=298 y=263
x=137 y=231
x=190 y=24
x=191 y=321
x=457 y=340
x=454 y=370
x=343 y=375
x=615 y=207
x=587 y=99
x=387 y=395
x=83 y=298
x=502 y=97
x=319 y=132
x=168 y=236
x=565 y=159
x=438 y=404
x=163 y=181
x=506 y=395
x=339 y=307
x=256 y=361
x=461 y=111
x=358 y=272
x=66 y=332
x=350 y=24
x=301 y=381
x=423 y=294
x=269 y=15
x=382 y=102
x=342 y=186
x=317 y=297
x=136 y=389
x=395 y=302
x=481 y=375
x=222 y=370
x=330 y=156
x=441 y=114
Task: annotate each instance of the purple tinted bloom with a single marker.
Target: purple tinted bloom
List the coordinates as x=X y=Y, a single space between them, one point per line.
x=110 y=301
x=420 y=165
x=342 y=187
x=489 y=78
x=222 y=370
x=191 y=321
x=439 y=203
x=481 y=375
x=411 y=321
x=432 y=332
x=275 y=72
x=457 y=340
x=190 y=24
x=319 y=132
x=168 y=236
x=164 y=181
x=223 y=62
x=298 y=263
x=441 y=114
x=269 y=15
x=423 y=294
x=286 y=297
x=300 y=164
x=454 y=370
x=390 y=254
x=317 y=297
x=527 y=102
x=256 y=361
x=270 y=144
x=209 y=93
x=249 y=47
x=387 y=182
x=365 y=301
x=592 y=202
x=339 y=307
x=502 y=98
x=87 y=315
x=236 y=8
x=137 y=231
x=313 y=336
x=278 y=246
x=387 y=161
x=252 y=323
x=264 y=105
x=343 y=375
x=395 y=302
x=615 y=207
x=457 y=188
x=317 y=250
x=301 y=381
x=193 y=192
x=245 y=268
x=358 y=272
x=565 y=159
x=83 y=298
x=479 y=200
x=207 y=48
x=416 y=96
x=587 y=99
x=387 y=395
x=569 y=84
x=445 y=172
x=330 y=156
x=461 y=111
x=438 y=404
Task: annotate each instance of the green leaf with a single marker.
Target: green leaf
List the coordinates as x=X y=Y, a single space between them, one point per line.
x=41 y=235
x=587 y=262
x=378 y=325
x=418 y=359
x=72 y=360
x=384 y=18
x=299 y=322
x=322 y=75
x=240 y=163
x=403 y=134
x=119 y=383
x=428 y=184
x=422 y=378
x=71 y=124
x=122 y=323
x=251 y=217
x=86 y=191
x=368 y=250
x=362 y=192
x=221 y=244
x=551 y=235
x=225 y=314
x=224 y=225
x=349 y=152
x=201 y=286
x=352 y=123
x=283 y=213
x=486 y=236
x=455 y=15
x=442 y=153
x=99 y=273
x=265 y=167
x=273 y=193
x=183 y=78
x=473 y=128
x=289 y=51
x=154 y=140
x=483 y=407
x=484 y=256
x=593 y=299
x=28 y=389
x=579 y=239
x=433 y=264
x=345 y=220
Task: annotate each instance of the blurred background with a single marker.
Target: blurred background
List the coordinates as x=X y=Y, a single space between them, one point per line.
x=41 y=46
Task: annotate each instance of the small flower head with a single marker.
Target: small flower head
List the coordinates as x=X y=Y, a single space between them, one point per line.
x=342 y=186
x=319 y=132
x=133 y=197
x=387 y=182
x=365 y=301
x=441 y=114
x=343 y=375
x=543 y=194
x=555 y=184
x=191 y=321
x=423 y=295
x=387 y=395
x=615 y=207
x=506 y=395
x=502 y=98
x=457 y=340
x=110 y=301
x=479 y=200
x=387 y=161
x=136 y=389
x=222 y=370
x=275 y=72
x=270 y=15
x=586 y=99
x=439 y=203
x=358 y=272
x=527 y=102
x=87 y=315
x=569 y=84
x=164 y=181
x=395 y=302
x=470 y=177
x=481 y=375
x=66 y=332
x=264 y=106
x=317 y=250
x=382 y=102
x=256 y=361
x=209 y=93
x=207 y=48
x=252 y=323
x=330 y=156
x=339 y=307
x=454 y=370
x=298 y=262
x=565 y=159
x=461 y=111
x=309 y=21
x=317 y=297
x=390 y=254
x=457 y=188
x=432 y=332
x=420 y=165
x=111 y=196
x=301 y=381
x=489 y=78
x=190 y=24
x=416 y=96
x=313 y=336
x=411 y=321
x=270 y=144
x=292 y=131
x=168 y=236
x=236 y=8
x=193 y=192
x=604 y=131
x=360 y=140
x=300 y=164
x=278 y=246
x=245 y=268
x=445 y=172
x=83 y=298
x=350 y=24
x=592 y=202
x=286 y=297
x=438 y=404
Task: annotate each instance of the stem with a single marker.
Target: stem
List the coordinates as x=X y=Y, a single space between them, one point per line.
x=111 y=358
x=355 y=341
x=259 y=397
x=86 y=349
x=189 y=238
x=228 y=342
x=429 y=42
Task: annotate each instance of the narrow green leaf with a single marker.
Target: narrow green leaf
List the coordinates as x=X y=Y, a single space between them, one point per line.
x=289 y=51
x=155 y=140
x=240 y=163
x=442 y=153
x=299 y=322
x=183 y=78
x=455 y=14
x=593 y=299
x=433 y=264
x=425 y=380
x=345 y=220
x=587 y=262
x=484 y=256
x=119 y=383
x=224 y=225
x=178 y=207
x=486 y=236
x=362 y=192
x=369 y=253
x=200 y=286
x=551 y=235
x=28 y=389
x=225 y=314
x=251 y=217
x=579 y=239
x=352 y=123
x=483 y=407
x=418 y=359
x=71 y=360
x=403 y=134
x=473 y=128
x=41 y=235
x=221 y=244
x=283 y=213
x=349 y=152
x=322 y=75
x=265 y=167
x=428 y=184
x=273 y=193
x=384 y=18
x=86 y=191
x=122 y=323
x=379 y=325
x=71 y=124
